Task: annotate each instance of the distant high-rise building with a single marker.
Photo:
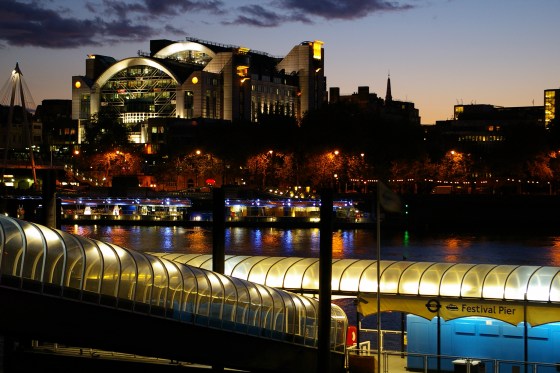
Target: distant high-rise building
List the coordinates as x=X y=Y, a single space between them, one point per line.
x=56 y=118
x=551 y=105
x=196 y=79
x=480 y=127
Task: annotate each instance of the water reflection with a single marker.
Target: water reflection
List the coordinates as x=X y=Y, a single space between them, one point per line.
x=358 y=243
x=196 y=240
x=338 y=245
x=453 y=248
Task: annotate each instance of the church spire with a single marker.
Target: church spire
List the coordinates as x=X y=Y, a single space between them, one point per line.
x=388 y=96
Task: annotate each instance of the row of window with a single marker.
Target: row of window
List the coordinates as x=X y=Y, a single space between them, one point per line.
x=195 y=57
x=260 y=88
x=279 y=108
x=481 y=138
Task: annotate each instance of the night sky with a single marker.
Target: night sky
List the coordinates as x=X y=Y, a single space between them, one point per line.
x=437 y=52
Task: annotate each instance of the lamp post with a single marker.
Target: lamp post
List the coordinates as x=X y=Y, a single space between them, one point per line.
x=196 y=167
x=74 y=157
x=434 y=306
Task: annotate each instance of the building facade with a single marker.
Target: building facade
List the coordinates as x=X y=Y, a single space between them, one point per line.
x=59 y=130
x=479 y=128
x=196 y=79
x=387 y=108
x=551 y=105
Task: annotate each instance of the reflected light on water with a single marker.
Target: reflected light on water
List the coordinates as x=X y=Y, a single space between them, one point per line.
x=555 y=252
x=195 y=240
x=453 y=247
x=119 y=236
x=272 y=238
x=338 y=245
x=452 y=243
x=352 y=243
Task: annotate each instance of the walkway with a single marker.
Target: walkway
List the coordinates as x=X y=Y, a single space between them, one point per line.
x=94 y=286
x=531 y=293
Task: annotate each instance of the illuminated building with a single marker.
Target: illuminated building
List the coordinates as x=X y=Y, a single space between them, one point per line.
x=551 y=104
x=478 y=128
x=200 y=80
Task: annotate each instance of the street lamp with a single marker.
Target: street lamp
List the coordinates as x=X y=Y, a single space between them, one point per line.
x=198 y=152
x=434 y=306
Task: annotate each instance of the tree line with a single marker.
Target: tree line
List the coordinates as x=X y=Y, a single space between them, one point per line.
x=340 y=145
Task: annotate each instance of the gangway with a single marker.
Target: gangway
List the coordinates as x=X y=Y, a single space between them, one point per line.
x=72 y=290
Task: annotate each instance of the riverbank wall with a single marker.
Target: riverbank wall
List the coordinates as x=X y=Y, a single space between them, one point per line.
x=515 y=213
x=431 y=213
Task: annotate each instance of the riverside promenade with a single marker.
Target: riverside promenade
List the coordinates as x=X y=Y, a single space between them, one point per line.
x=451 y=212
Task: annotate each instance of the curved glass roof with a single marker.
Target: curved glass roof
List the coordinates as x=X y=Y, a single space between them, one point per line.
x=133 y=62
x=138 y=88
x=429 y=279
x=187 y=51
x=154 y=285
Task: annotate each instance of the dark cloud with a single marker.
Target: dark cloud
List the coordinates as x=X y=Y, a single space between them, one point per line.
x=282 y=11
x=33 y=23
x=47 y=24
x=256 y=15
x=342 y=9
x=169 y=29
x=30 y=24
x=118 y=9
x=158 y=8
x=174 y=7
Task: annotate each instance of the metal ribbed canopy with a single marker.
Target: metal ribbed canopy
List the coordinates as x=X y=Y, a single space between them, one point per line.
x=429 y=279
x=34 y=254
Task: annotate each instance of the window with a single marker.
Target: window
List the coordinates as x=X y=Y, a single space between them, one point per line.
x=189 y=99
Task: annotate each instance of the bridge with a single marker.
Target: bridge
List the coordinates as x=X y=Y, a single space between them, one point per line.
x=75 y=291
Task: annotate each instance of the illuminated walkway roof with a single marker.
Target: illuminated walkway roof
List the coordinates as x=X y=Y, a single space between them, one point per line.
x=451 y=284
x=481 y=281
x=154 y=285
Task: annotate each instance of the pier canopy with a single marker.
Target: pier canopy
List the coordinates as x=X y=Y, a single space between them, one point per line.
x=54 y=262
x=512 y=293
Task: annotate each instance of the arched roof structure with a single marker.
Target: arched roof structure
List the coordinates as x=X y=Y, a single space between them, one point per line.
x=461 y=289
x=137 y=281
x=184 y=46
x=134 y=61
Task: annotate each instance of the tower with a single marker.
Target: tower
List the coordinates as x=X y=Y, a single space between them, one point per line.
x=19 y=92
x=388 y=96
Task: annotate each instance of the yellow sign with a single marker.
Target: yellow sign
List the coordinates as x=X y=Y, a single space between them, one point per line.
x=508 y=312
x=449 y=309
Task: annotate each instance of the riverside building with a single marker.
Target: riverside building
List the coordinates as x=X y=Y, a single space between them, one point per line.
x=481 y=128
x=199 y=80
x=551 y=105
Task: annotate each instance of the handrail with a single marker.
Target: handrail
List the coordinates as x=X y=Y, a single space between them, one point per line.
x=468 y=361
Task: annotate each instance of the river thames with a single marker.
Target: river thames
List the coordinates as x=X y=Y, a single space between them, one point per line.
x=514 y=249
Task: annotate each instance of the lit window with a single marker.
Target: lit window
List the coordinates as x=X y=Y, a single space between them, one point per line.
x=317 y=46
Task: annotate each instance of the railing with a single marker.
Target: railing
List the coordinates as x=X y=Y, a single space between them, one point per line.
x=393 y=361
x=397 y=362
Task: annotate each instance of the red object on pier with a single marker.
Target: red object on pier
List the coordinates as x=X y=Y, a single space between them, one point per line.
x=351 y=335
